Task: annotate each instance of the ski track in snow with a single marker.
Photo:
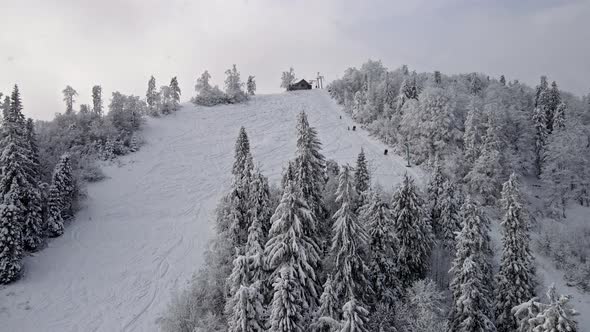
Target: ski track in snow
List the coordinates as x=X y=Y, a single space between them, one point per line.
x=142 y=232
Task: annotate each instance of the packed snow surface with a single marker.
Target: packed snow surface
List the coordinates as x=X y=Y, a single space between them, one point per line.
x=142 y=232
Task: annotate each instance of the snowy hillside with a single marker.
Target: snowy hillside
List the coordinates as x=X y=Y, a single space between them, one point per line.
x=142 y=231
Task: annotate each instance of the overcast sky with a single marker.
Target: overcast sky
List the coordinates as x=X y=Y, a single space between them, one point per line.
x=45 y=45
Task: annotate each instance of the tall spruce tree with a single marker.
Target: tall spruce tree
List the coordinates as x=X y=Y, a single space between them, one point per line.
x=175 y=93
x=355 y=317
x=11 y=250
x=540 y=123
x=434 y=194
x=362 y=178
x=449 y=222
x=470 y=310
x=292 y=257
x=61 y=195
x=14 y=189
x=515 y=280
x=309 y=167
x=328 y=311
x=244 y=309
x=413 y=233
x=376 y=215
x=349 y=241
x=34 y=224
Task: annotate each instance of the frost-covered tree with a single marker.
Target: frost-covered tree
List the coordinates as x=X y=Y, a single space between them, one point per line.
x=244 y=309
x=485 y=177
x=549 y=100
x=328 y=311
x=422 y=309
x=437 y=77
x=11 y=250
x=287 y=78
x=377 y=218
x=251 y=85
x=473 y=134
x=434 y=194
x=97 y=100
x=241 y=153
x=428 y=124
x=20 y=173
x=515 y=280
x=208 y=95
x=175 y=93
x=565 y=167
x=255 y=250
x=260 y=204
x=349 y=240
x=292 y=256
x=355 y=317
x=362 y=178
x=559 y=117
x=69 y=97
x=234 y=87
x=540 y=123
x=470 y=310
x=166 y=104
x=449 y=221
x=413 y=233
x=310 y=171
x=556 y=316
x=502 y=80
x=152 y=97
x=61 y=195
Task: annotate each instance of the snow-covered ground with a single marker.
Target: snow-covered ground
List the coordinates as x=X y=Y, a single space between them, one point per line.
x=142 y=231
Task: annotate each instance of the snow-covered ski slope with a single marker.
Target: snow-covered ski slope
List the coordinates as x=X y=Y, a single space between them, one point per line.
x=143 y=230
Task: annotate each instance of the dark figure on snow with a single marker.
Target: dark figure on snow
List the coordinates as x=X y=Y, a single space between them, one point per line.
x=341 y=117
x=353 y=128
x=385 y=152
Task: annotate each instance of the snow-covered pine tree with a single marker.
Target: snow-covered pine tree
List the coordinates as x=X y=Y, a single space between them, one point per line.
x=242 y=153
x=471 y=308
x=413 y=233
x=244 y=309
x=97 y=101
x=557 y=316
x=376 y=216
x=543 y=85
x=255 y=249
x=349 y=240
x=549 y=100
x=288 y=174
x=152 y=95
x=362 y=178
x=175 y=93
x=251 y=85
x=434 y=193
x=63 y=181
x=502 y=80
x=260 y=201
x=355 y=317
x=55 y=223
x=11 y=250
x=515 y=281
x=287 y=307
x=328 y=311
x=309 y=169
x=292 y=256
x=20 y=171
x=540 y=123
x=449 y=222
